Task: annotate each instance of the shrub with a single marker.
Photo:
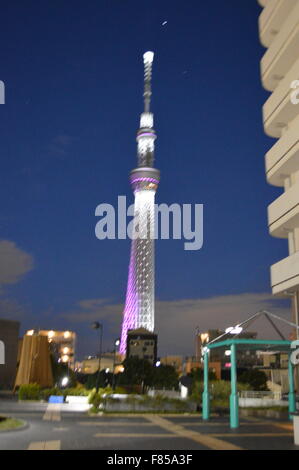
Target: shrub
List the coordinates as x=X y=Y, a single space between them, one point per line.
x=47 y=392
x=29 y=392
x=257 y=379
x=120 y=390
x=96 y=399
x=76 y=391
x=219 y=389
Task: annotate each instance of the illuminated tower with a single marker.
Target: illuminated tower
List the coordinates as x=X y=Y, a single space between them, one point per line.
x=139 y=309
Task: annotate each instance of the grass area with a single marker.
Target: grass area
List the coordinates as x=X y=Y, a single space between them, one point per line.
x=9 y=423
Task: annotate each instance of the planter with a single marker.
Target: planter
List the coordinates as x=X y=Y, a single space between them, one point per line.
x=273 y=414
x=124 y=407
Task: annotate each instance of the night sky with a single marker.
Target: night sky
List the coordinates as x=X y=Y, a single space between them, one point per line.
x=74 y=76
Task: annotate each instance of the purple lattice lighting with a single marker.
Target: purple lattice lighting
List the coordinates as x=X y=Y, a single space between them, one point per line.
x=148 y=180
x=130 y=313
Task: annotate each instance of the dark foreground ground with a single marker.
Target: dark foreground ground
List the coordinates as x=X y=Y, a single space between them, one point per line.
x=55 y=427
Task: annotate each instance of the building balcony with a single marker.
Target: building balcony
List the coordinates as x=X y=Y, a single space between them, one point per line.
x=283 y=213
x=283 y=158
x=279 y=111
x=285 y=275
x=262 y=2
x=283 y=51
x=272 y=18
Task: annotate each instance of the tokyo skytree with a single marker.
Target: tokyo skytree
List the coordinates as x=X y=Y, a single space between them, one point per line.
x=139 y=311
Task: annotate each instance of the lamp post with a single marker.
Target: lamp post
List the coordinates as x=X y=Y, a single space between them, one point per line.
x=144 y=349
x=116 y=344
x=98 y=326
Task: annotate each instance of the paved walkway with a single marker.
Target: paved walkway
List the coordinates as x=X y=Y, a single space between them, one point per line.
x=54 y=427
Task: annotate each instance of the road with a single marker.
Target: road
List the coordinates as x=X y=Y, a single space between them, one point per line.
x=64 y=427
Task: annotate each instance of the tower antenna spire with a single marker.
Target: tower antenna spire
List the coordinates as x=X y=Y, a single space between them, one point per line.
x=148 y=58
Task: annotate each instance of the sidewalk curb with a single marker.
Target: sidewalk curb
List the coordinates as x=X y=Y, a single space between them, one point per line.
x=24 y=425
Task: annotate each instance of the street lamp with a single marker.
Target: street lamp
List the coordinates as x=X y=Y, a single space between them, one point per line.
x=116 y=344
x=234 y=330
x=64 y=381
x=98 y=326
x=144 y=349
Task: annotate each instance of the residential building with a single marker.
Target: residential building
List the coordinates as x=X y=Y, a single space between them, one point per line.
x=279 y=34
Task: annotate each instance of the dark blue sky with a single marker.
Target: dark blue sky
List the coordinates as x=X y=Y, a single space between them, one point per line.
x=73 y=76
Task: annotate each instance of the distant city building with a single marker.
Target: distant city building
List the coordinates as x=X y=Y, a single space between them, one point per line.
x=191 y=363
x=90 y=365
x=279 y=33
x=62 y=344
x=142 y=343
x=174 y=361
x=245 y=358
x=9 y=335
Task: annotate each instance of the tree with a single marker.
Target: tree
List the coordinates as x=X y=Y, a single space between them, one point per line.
x=257 y=379
x=142 y=372
x=105 y=379
x=61 y=370
x=197 y=374
x=165 y=376
x=136 y=372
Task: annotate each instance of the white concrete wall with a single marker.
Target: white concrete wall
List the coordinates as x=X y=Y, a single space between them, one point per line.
x=260 y=402
x=279 y=33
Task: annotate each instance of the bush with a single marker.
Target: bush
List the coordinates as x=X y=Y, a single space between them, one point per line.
x=96 y=399
x=120 y=390
x=219 y=389
x=257 y=379
x=154 y=404
x=75 y=391
x=47 y=392
x=34 y=392
x=29 y=392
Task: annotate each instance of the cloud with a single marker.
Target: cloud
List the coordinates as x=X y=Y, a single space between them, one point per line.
x=95 y=309
x=14 y=263
x=176 y=320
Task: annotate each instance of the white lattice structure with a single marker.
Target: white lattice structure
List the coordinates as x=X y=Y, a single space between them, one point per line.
x=139 y=309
